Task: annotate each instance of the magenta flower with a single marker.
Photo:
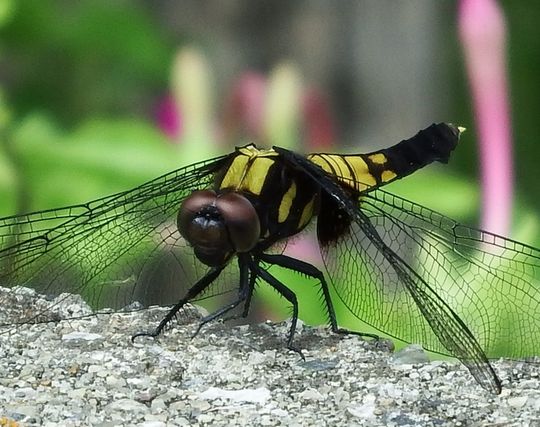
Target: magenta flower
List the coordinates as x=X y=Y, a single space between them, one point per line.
x=243 y=114
x=168 y=117
x=483 y=36
x=319 y=132
x=255 y=111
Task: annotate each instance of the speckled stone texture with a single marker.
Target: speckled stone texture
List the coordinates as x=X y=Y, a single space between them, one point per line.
x=88 y=372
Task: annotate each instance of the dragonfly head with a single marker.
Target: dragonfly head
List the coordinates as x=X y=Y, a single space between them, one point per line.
x=218 y=225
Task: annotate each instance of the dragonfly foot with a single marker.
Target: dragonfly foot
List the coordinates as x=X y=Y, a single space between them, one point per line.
x=297 y=351
x=152 y=334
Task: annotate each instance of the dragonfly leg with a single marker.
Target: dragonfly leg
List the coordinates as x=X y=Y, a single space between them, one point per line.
x=243 y=293
x=312 y=271
x=286 y=293
x=216 y=314
x=195 y=290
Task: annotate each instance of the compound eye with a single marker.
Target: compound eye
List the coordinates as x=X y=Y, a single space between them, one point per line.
x=217 y=226
x=192 y=206
x=194 y=216
x=241 y=220
x=201 y=224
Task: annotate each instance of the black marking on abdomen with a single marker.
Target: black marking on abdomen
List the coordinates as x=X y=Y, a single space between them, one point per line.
x=434 y=143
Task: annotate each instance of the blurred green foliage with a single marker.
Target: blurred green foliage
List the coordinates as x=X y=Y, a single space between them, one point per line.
x=83 y=58
x=98 y=157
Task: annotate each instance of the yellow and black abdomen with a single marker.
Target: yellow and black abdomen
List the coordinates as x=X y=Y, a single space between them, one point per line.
x=365 y=172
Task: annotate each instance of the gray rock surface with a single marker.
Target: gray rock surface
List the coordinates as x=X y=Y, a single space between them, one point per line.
x=88 y=372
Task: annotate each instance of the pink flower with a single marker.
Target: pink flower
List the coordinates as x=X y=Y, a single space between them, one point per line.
x=483 y=36
x=319 y=132
x=278 y=110
x=244 y=109
x=168 y=117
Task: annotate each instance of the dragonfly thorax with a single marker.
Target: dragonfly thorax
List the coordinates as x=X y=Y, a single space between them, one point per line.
x=218 y=225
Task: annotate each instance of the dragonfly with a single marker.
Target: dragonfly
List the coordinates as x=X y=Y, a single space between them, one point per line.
x=219 y=226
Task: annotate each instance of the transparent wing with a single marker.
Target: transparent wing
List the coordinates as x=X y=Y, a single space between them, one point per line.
x=112 y=251
x=437 y=279
x=421 y=277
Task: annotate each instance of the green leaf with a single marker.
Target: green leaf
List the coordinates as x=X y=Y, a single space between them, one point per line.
x=101 y=157
x=6 y=11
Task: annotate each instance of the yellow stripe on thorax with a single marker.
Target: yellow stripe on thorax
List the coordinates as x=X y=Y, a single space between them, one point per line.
x=286 y=203
x=235 y=173
x=248 y=170
x=307 y=213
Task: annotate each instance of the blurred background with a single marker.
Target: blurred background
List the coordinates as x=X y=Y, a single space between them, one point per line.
x=97 y=96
